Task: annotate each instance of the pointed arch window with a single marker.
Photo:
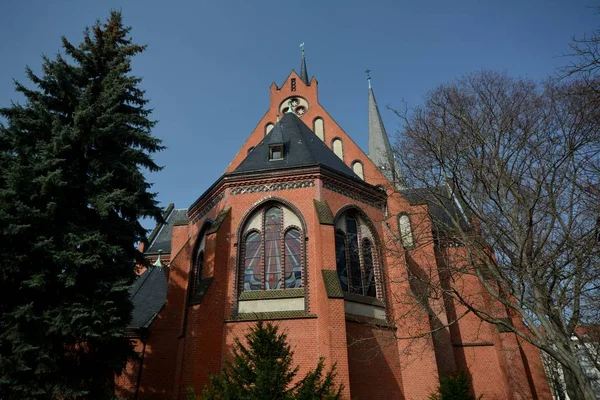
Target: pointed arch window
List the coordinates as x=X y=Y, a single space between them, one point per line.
x=198 y=260
x=253 y=262
x=406 y=234
x=272 y=250
x=355 y=264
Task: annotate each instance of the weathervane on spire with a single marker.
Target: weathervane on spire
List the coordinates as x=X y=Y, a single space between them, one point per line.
x=302 y=47
x=368 y=72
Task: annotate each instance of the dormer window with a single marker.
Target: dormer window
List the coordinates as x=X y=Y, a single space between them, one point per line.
x=276 y=152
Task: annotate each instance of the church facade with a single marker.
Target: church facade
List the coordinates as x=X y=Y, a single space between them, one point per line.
x=306 y=230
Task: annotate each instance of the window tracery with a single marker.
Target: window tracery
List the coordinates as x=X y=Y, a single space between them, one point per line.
x=272 y=250
x=355 y=255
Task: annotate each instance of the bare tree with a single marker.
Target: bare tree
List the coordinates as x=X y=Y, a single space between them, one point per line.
x=518 y=162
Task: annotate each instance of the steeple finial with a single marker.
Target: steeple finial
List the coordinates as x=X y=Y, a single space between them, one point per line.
x=158 y=263
x=303 y=71
x=368 y=72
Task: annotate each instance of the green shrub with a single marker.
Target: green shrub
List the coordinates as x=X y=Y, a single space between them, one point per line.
x=456 y=386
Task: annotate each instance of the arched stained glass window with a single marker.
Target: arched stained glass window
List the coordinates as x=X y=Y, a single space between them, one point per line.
x=273 y=248
x=340 y=259
x=406 y=231
x=293 y=259
x=356 y=271
x=367 y=248
x=252 y=262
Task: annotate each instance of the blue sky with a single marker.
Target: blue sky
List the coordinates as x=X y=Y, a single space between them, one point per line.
x=209 y=64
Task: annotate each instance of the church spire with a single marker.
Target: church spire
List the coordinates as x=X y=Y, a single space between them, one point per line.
x=303 y=71
x=380 y=150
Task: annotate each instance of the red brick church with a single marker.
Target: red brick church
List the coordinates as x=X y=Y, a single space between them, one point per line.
x=307 y=230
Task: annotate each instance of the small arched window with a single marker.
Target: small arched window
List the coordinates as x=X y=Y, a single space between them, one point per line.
x=272 y=251
x=338 y=148
x=357 y=167
x=268 y=128
x=319 y=128
x=356 y=271
x=406 y=235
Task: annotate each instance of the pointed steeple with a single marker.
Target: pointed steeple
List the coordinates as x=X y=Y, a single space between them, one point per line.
x=303 y=71
x=380 y=150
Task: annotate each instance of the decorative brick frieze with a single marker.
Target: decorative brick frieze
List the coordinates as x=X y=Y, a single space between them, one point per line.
x=349 y=191
x=208 y=207
x=272 y=187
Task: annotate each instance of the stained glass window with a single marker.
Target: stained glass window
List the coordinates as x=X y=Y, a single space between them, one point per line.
x=293 y=261
x=356 y=270
x=355 y=273
x=252 y=264
x=340 y=259
x=199 y=267
x=369 y=288
x=273 y=248
x=273 y=258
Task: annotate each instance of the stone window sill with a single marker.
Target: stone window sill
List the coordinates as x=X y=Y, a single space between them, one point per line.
x=271 y=294
x=275 y=315
x=357 y=298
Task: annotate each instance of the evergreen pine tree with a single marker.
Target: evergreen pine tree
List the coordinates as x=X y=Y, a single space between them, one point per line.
x=262 y=370
x=72 y=192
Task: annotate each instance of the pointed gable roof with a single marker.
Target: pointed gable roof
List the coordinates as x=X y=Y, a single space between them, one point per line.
x=380 y=150
x=147 y=294
x=302 y=148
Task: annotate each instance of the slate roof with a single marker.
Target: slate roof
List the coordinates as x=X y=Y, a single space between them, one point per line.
x=443 y=207
x=160 y=240
x=148 y=294
x=302 y=148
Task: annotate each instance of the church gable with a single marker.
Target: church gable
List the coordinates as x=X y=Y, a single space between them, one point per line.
x=294 y=93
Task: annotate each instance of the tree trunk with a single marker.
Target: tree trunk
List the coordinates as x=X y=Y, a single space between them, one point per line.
x=578 y=385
